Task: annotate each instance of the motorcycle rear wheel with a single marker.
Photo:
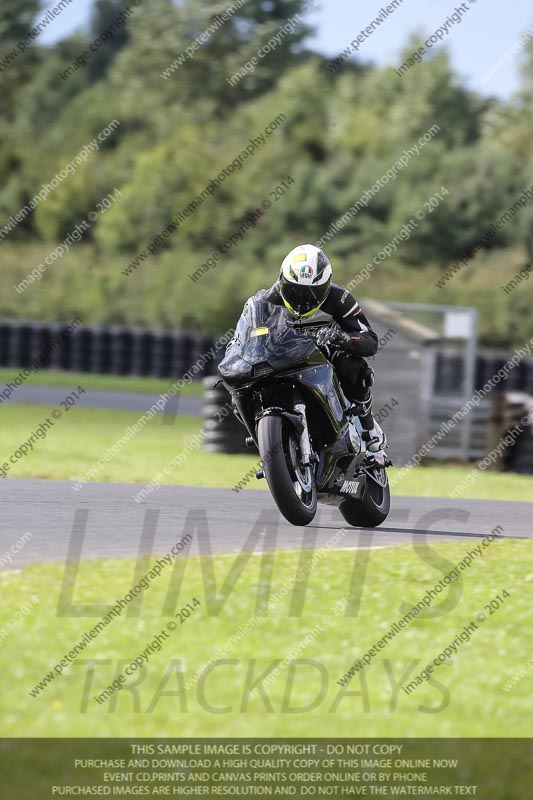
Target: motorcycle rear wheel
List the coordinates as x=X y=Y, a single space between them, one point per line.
x=292 y=486
x=372 y=509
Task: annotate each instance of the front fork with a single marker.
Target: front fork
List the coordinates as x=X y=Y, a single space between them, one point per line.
x=299 y=421
x=305 y=443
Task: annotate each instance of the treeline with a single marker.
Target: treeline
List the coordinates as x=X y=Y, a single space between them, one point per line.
x=202 y=166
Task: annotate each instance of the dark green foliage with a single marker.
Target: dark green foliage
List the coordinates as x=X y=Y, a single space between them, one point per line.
x=181 y=128
x=107 y=16
x=16 y=18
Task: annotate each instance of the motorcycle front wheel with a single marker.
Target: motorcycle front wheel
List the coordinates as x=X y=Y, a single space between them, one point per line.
x=292 y=485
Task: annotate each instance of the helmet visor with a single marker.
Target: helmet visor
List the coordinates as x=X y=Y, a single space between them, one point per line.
x=304 y=299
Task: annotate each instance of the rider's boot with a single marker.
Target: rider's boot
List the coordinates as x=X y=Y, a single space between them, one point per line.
x=373 y=435
x=376 y=442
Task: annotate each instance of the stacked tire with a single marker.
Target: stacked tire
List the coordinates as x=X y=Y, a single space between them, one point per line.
x=487 y=366
x=108 y=350
x=222 y=430
x=448 y=373
x=510 y=409
x=520 y=458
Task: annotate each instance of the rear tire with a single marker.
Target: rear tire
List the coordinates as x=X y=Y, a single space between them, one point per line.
x=278 y=447
x=372 y=509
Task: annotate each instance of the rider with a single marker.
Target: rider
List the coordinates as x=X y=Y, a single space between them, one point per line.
x=304 y=286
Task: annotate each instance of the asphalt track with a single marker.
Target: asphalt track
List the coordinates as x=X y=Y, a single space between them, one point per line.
x=103 y=521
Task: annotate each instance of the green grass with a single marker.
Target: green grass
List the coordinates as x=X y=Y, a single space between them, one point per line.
x=439 y=480
x=464 y=699
x=82 y=436
x=110 y=383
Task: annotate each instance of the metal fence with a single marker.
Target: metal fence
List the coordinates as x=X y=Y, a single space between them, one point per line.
x=449 y=374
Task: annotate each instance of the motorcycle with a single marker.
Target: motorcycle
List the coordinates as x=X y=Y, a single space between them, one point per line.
x=286 y=394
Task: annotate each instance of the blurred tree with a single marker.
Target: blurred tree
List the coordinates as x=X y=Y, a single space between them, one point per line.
x=16 y=18
x=105 y=13
x=508 y=136
x=527 y=70
x=338 y=134
x=162 y=32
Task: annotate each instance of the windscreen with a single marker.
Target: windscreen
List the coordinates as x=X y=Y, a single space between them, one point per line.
x=264 y=333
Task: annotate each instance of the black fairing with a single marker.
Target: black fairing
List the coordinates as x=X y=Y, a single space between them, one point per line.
x=271 y=362
x=269 y=347
x=264 y=336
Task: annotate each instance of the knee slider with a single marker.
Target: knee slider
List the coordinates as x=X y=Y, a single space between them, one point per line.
x=368 y=376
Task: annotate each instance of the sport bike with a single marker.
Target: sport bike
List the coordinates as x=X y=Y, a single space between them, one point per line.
x=287 y=395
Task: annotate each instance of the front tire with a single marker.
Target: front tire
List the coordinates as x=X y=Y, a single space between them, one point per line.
x=374 y=506
x=292 y=487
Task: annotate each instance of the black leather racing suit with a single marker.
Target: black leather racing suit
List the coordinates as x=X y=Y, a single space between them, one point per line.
x=355 y=375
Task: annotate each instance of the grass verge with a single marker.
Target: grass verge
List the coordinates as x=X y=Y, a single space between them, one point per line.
x=465 y=696
x=103 y=383
x=81 y=436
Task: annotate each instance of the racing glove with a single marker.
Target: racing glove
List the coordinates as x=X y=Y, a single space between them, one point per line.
x=333 y=337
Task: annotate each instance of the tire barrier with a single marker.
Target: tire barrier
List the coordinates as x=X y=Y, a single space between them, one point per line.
x=449 y=373
x=105 y=350
x=223 y=433
x=521 y=454
x=494 y=414
x=120 y=350
x=487 y=366
x=61 y=356
x=509 y=411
